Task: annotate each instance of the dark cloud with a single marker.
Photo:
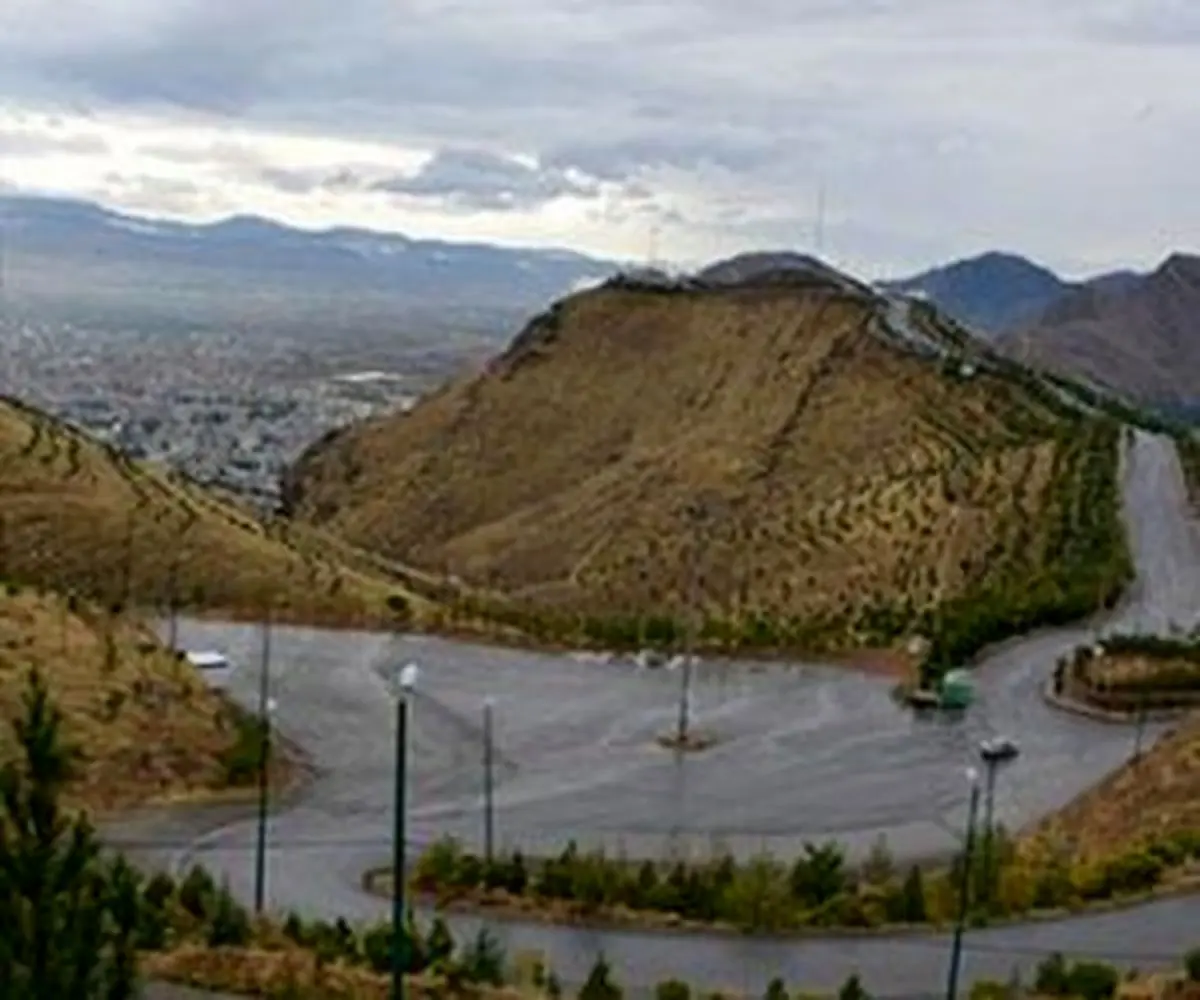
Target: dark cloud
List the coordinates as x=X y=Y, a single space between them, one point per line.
x=476 y=180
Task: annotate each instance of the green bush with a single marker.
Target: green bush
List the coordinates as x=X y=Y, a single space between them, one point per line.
x=228 y=922
x=1191 y=965
x=672 y=989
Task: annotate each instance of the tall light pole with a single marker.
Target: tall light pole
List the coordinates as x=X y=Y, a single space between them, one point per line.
x=964 y=888
x=697 y=513
x=489 y=815
x=993 y=753
x=266 y=706
x=406 y=680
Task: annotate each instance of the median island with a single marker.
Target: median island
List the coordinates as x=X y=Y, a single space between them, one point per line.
x=1132 y=675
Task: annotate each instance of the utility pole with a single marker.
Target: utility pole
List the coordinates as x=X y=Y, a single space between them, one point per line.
x=991 y=763
x=173 y=602
x=264 y=765
x=406 y=681
x=964 y=890
x=1140 y=732
x=489 y=813
x=127 y=562
x=698 y=515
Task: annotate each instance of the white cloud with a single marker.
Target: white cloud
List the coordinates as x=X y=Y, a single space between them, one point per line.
x=1065 y=129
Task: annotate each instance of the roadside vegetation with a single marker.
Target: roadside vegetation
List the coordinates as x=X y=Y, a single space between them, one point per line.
x=79 y=517
x=147 y=725
x=1133 y=673
x=817 y=891
x=83 y=924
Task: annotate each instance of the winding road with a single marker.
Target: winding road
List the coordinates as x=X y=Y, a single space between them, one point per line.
x=806 y=752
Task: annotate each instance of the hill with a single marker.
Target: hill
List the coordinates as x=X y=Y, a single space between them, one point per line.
x=1136 y=335
x=80 y=518
x=1155 y=797
x=78 y=262
x=150 y=727
x=838 y=467
x=990 y=293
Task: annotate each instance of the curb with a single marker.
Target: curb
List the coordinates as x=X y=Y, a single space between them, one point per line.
x=1073 y=706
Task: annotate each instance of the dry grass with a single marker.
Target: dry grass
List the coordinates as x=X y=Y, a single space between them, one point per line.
x=291 y=972
x=1147 y=799
x=839 y=472
x=1126 y=667
x=148 y=725
x=79 y=518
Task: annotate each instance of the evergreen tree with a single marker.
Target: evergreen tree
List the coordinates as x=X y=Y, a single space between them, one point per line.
x=912 y=897
x=70 y=921
x=852 y=989
x=600 y=985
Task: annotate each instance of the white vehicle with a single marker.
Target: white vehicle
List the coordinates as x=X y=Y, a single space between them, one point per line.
x=213 y=666
x=999 y=748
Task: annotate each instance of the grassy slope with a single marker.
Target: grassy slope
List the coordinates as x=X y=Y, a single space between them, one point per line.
x=846 y=476
x=78 y=518
x=149 y=726
x=1156 y=796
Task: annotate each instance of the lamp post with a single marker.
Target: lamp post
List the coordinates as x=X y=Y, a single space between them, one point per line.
x=698 y=513
x=964 y=888
x=993 y=754
x=264 y=766
x=266 y=706
x=489 y=815
x=406 y=681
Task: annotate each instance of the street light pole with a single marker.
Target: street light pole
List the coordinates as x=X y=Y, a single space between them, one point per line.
x=696 y=513
x=489 y=829
x=992 y=763
x=1140 y=733
x=264 y=762
x=407 y=680
x=964 y=889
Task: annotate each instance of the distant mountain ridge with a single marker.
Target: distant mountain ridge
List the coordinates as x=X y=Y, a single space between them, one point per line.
x=1137 y=334
x=87 y=262
x=991 y=292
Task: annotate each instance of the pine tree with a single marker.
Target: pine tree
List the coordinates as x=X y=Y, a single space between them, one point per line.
x=70 y=921
x=600 y=985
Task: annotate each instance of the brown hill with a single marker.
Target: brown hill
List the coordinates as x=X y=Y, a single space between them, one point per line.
x=1140 y=336
x=1148 y=799
x=830 y=485
x=148 y=725
x=76 y=517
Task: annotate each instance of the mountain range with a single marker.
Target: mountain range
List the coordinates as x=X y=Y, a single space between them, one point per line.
x=84 y=263
x=79 y=262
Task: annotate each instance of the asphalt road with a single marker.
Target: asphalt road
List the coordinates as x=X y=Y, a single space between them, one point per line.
x=806 y=752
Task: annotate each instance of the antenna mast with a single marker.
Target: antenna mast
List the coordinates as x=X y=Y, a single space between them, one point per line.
x=819 y=235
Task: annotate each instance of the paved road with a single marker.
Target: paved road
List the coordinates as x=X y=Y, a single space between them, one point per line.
x=806 y=752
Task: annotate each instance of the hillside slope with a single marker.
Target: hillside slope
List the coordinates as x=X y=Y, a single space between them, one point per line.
x=1137 y=335
x=149 y=726
x=831 y=485
x=76 y=517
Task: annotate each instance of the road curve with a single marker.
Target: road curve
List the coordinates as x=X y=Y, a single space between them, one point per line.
x=806 y=752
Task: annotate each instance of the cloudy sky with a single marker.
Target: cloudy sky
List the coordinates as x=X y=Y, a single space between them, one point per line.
x=1065 y=129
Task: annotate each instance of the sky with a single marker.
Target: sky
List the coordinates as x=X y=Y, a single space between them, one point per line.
x=678 y=130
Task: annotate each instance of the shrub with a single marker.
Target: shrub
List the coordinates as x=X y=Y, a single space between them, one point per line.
x=196 y=892
x=1191 y=965
x=1092 y=981
x=672 y=989
x=229 y=924
x=600 y=984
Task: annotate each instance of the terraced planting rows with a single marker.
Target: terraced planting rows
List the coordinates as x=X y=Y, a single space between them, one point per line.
x=79 y=517
x=1017 y=502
